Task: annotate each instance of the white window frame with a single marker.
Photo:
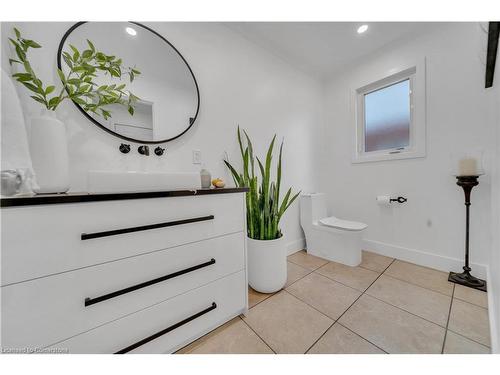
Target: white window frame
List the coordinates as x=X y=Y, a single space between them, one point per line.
x=415 y=72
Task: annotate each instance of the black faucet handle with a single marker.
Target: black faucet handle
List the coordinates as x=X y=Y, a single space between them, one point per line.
x=159 y=151
x=124 y=148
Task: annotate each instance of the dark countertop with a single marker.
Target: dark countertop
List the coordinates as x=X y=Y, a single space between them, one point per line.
x=34 y=200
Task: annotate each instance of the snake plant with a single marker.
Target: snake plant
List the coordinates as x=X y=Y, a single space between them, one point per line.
x=264 y=209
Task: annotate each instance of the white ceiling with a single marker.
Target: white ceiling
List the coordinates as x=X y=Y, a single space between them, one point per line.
x=321 y=48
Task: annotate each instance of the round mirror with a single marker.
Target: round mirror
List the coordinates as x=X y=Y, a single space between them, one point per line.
x=129 y=80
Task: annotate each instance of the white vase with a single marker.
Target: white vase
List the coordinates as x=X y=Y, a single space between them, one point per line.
x=49 y=153
x=267 y=271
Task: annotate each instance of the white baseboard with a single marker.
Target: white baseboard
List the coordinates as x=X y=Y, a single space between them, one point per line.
x=294 y=246
x=422 y=258
x=492 y=314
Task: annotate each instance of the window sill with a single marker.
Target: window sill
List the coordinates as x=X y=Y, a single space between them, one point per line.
x=368 y=158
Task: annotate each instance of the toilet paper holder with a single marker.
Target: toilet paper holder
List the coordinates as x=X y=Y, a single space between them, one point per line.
x=398 y=199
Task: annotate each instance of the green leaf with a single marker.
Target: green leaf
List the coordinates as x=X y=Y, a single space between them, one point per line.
x=17 y=32
x=38 y=83
x=76 y=53
x=79 y=100
x=74 y=81
x=23 y=76
x=49 y=89
x=67 y=60
x=235 y=174
x=87 y=54
x=54 y=102
x=32 y=43
x=14 y=42
x=20 y=53
x=61 y=75
x=105 y=114
x=31 y=87
x=91 y=45
x=131 y=110
x=14 y=61
x=38 y=99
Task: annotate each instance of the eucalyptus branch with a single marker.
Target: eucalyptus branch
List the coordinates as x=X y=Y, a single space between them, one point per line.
x=78 y=84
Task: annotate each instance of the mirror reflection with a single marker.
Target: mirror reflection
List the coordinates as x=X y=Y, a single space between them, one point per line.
x=165 y=98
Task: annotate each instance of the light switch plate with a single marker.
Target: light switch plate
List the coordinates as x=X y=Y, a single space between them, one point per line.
x=196 y=157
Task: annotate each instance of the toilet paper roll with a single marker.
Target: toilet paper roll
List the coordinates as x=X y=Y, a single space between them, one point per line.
x=383 y=200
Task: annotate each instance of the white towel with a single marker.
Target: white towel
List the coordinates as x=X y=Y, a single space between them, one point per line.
x=14 y=141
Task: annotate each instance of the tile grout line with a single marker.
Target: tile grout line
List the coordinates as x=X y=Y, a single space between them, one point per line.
x=341 y=315
x=357 y=334
x=300 y=278
x=420 y=286
x=272 y=294
x=269 y=295
x=307 y=268
x=409 y=282
x=311 y=306
x=468 y=338
x=409 y=312
x=471 y=303
x=264 y=341
x=348 y=286
x=448 y=320
x=319 y=338
x=306 y=303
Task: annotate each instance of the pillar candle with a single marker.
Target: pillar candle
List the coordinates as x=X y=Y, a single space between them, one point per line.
x=467 y=167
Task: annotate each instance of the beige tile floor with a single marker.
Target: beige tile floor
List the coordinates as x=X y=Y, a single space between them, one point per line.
x=383 y=306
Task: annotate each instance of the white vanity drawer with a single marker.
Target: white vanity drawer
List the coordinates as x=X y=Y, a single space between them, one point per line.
x=44 y=311
x=201 y=310
x=47 y=239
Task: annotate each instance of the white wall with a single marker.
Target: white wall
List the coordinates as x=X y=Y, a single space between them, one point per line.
x=239 y=82
x=429 y=228
x=494 y=264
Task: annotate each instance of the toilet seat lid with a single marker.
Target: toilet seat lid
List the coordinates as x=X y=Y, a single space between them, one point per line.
x=334 y=222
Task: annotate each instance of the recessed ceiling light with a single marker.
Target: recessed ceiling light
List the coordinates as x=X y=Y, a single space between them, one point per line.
x=362 y=29
x=132 y=31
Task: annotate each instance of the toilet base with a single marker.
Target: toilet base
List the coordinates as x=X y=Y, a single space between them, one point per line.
x=335 y=245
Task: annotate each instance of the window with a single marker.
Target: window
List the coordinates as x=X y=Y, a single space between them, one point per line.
x=387 y=117
x=390 y=117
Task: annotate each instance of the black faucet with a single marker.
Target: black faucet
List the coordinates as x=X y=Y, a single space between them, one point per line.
x=124 y=148
x=159 y=151
x=143 y=150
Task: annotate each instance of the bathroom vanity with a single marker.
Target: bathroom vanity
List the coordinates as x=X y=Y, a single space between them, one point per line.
x=123 y=272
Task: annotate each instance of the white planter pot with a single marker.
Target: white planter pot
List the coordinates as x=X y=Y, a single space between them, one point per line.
x=267 y=271
x=49 y=154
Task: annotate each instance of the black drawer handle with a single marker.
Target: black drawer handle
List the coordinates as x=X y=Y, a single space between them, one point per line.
x=88 y=236
x=167 y=330
x=92 y=301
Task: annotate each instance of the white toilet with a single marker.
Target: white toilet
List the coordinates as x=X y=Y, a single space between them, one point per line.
x=329 y=237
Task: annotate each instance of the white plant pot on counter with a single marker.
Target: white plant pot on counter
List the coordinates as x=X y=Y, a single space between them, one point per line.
x=49 y=153
x=267 y=271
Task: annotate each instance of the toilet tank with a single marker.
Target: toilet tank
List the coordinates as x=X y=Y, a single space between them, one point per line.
x=312 y=208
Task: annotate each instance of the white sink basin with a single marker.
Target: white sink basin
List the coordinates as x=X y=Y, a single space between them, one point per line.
x=132 y=181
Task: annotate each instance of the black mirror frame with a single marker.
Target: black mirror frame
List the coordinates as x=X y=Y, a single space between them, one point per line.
x=191 y=119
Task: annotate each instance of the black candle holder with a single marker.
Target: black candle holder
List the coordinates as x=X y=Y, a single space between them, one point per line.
x=465 y=278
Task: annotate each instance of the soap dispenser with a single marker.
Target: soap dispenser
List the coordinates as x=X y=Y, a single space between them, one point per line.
x=206 y=178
